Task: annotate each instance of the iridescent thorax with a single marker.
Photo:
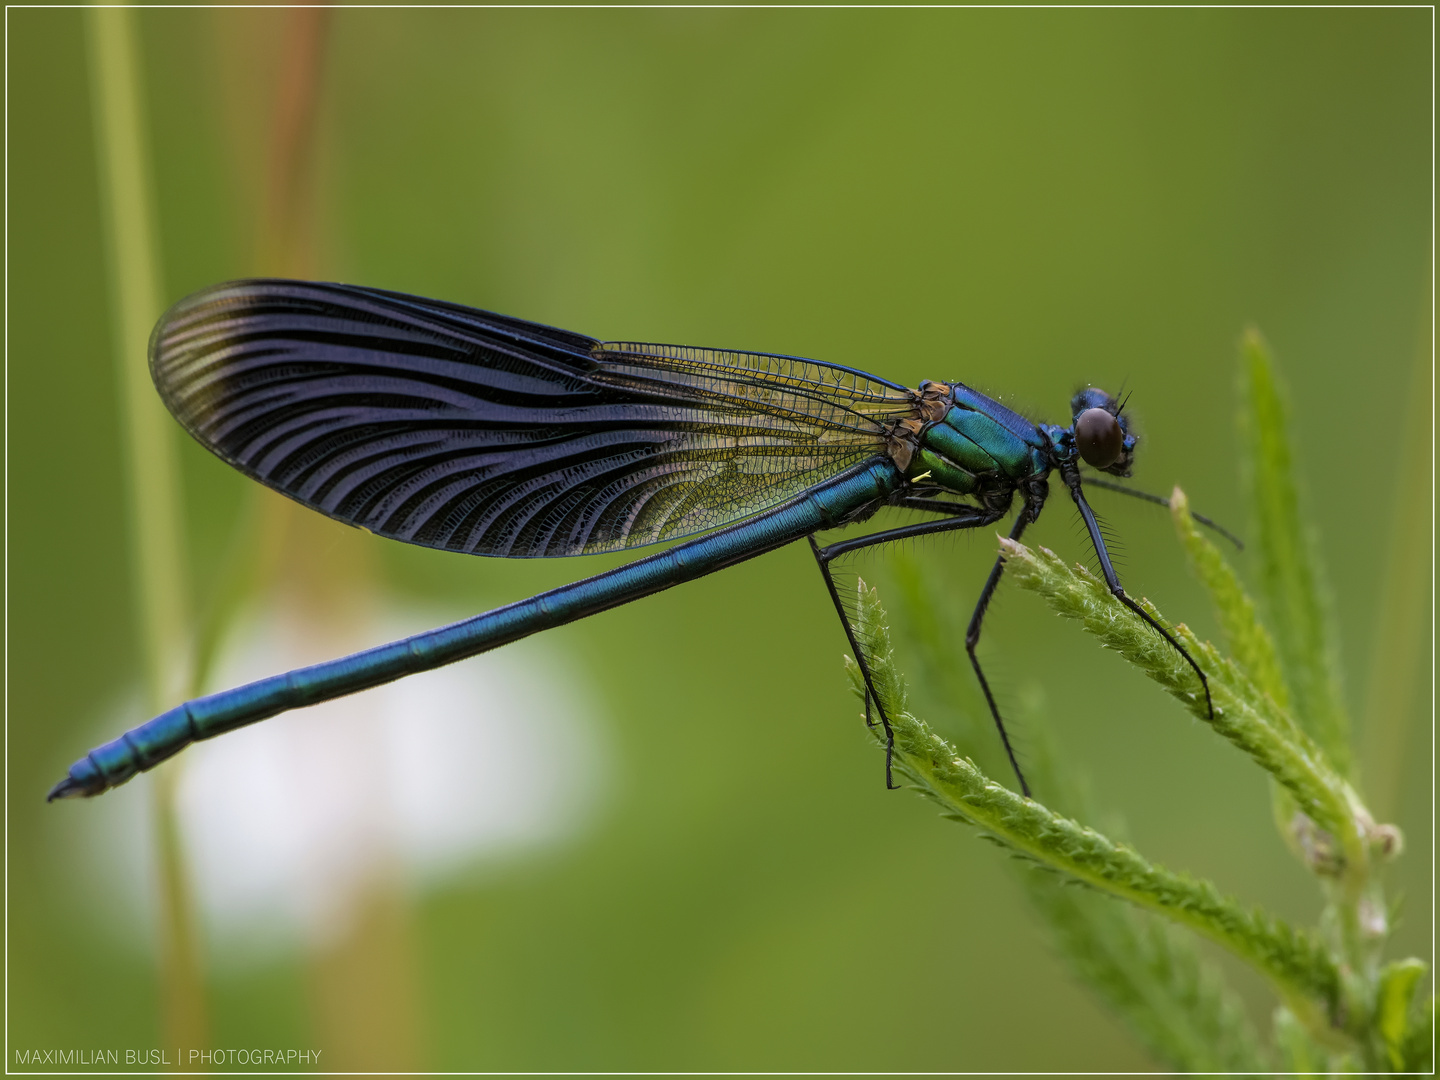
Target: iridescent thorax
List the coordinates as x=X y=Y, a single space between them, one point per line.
x=967 y=443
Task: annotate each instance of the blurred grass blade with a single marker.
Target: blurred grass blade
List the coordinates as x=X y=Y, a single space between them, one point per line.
x=1292 y=580
x=157 y=542
x=1246 y=638
x=1254 y=650
x=1296 y=964
x=1399 y=645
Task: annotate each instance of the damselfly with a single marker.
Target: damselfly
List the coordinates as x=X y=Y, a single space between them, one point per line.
x=463 y=430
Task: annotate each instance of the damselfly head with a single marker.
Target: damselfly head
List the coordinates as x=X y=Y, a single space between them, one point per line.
x=1102 y=433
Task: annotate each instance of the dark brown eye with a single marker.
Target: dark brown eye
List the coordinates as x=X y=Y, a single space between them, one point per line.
x=1099 y=438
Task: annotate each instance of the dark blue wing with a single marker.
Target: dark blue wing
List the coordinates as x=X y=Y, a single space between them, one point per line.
x=456 y=428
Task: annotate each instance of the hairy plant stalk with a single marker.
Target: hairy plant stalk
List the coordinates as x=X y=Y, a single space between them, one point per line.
x=1337 y=835
x=1295 y=963
x=1243 y=713
x=1277 y=697
x=1149 y=973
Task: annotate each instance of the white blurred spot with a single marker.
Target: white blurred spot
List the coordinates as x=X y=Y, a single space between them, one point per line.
x=284 y=823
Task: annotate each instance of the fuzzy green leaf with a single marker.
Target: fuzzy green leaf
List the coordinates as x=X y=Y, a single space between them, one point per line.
x=1245 y=636
x=1397 y=989
x=1419 y=1047
x=1292 y=579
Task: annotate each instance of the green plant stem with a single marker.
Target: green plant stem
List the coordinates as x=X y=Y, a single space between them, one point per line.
x=1295 y=964
x=157 y=544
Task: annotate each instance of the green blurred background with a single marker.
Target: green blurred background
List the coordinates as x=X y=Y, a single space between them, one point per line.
x=1024 y=200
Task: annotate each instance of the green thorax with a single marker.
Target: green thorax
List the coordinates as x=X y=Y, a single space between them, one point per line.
x=979 y=446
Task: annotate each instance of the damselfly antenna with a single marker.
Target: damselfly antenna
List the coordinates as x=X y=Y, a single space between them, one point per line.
x=1092 y=481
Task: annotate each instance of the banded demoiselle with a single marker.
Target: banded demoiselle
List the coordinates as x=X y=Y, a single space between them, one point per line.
x=463 y=430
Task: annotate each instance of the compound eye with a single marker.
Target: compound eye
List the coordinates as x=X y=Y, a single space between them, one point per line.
x=1098 y=435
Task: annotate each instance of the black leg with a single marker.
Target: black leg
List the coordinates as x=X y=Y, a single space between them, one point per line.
x=824 y=564
x=1071 y=476
x=960 y=517
x=972 y=638
x=957 y=516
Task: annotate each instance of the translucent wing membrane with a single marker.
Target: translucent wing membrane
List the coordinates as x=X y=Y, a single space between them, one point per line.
x=455 y=428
